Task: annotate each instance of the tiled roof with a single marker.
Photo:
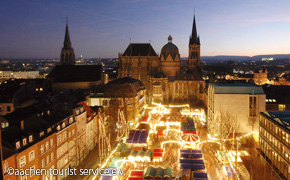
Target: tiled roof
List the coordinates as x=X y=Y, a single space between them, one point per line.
x=139 y=49
x=280 y=117
x=76 y=73
x=237 y=88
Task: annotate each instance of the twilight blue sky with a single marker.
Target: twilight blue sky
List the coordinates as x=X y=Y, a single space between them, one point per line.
x=102 y=28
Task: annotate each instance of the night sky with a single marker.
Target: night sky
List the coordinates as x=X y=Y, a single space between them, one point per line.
x=102 y=28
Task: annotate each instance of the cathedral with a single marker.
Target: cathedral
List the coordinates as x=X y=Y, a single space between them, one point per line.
x=165 y=78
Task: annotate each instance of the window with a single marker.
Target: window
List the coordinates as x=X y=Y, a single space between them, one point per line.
x=30 y=138
x=63 y=125
x=42 y=149
x=8 y=109
x=47 y=145
x=43 y=163
x=58 y=127
x=70 y=120
x=69 y=134
x=281 y=107
x=52 y=156
x=253 y=106
x=58 y=139
x=47 y=159
x=18 y=145
x=33 y=167
x=41 y=134
x=23 y=177
x=73 y=132
x=48 y=130
x=22 y=161
x=64 y=136
x=5 y=167
x=24 y=141
x=31 y=156
x=51 y=142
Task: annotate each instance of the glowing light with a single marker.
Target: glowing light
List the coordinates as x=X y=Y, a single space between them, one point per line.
x=122 y=160
x=165 y=142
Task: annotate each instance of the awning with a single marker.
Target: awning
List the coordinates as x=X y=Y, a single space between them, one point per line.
x=192 y=166
x=197 y=174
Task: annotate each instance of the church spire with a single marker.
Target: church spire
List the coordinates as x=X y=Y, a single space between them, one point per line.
x=67 y=55
x=67 y=43
x=194 y=39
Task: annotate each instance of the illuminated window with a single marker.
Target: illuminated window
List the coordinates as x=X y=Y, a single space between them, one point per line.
x=24 y=141
x=17 y=144
x=51 y=142
x=48 y=130
x=30 y=138
x=31 y=156
x=41 y=134
x=42 y=149
x=58 y=139
x=47 y=159
x=281 y=107
x=22 y=161
x=47 y=145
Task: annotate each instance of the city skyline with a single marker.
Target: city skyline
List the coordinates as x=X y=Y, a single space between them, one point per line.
x=102 y=29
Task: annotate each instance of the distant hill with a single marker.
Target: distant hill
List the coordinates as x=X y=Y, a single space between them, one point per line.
x=241 y=58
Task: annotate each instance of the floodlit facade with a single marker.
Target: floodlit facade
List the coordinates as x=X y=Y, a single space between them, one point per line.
x=274 y=139
x=166 y=79
x=242 y=101
x=19 y=74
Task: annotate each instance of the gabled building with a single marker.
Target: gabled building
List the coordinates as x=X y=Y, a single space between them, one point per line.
x=67 y=75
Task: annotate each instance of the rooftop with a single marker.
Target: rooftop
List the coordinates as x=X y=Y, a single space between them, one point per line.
x=281 y=117
x=76 y=73
x=237 y=88
x=139 y=49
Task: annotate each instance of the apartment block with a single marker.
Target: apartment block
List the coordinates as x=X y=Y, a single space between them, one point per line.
x=274 y=139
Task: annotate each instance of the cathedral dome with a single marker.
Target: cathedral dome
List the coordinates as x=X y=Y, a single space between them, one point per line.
x=170 y=49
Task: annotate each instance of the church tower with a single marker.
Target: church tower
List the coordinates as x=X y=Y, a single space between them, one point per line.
x=194 y=50
x=67 y=56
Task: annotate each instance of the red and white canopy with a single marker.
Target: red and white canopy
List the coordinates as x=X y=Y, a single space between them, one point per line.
x=189 y=137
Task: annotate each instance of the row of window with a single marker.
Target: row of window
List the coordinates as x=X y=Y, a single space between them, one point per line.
x=24 y=141
x=47 y=160
x=48 y=144
x=277 y=145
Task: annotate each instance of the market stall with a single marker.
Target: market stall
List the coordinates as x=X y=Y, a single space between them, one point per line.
x=137 y=138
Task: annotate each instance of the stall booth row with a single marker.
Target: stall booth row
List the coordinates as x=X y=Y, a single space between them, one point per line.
x=188 y=126
x=158 y=173
x=137 y=138
x=192 y=163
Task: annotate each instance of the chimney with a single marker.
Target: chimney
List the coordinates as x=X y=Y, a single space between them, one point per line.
x=22 y=125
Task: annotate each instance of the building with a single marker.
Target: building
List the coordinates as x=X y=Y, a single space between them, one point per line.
x=274 y=139
x=67 y=55
x=56 y=134
x=19 y=93
x=126 y=94
x=18 y=75
x=67 y=75
x=242 y=101
x=261 y=77
x=138 y=60
x=166 y=79
x=277 y=97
